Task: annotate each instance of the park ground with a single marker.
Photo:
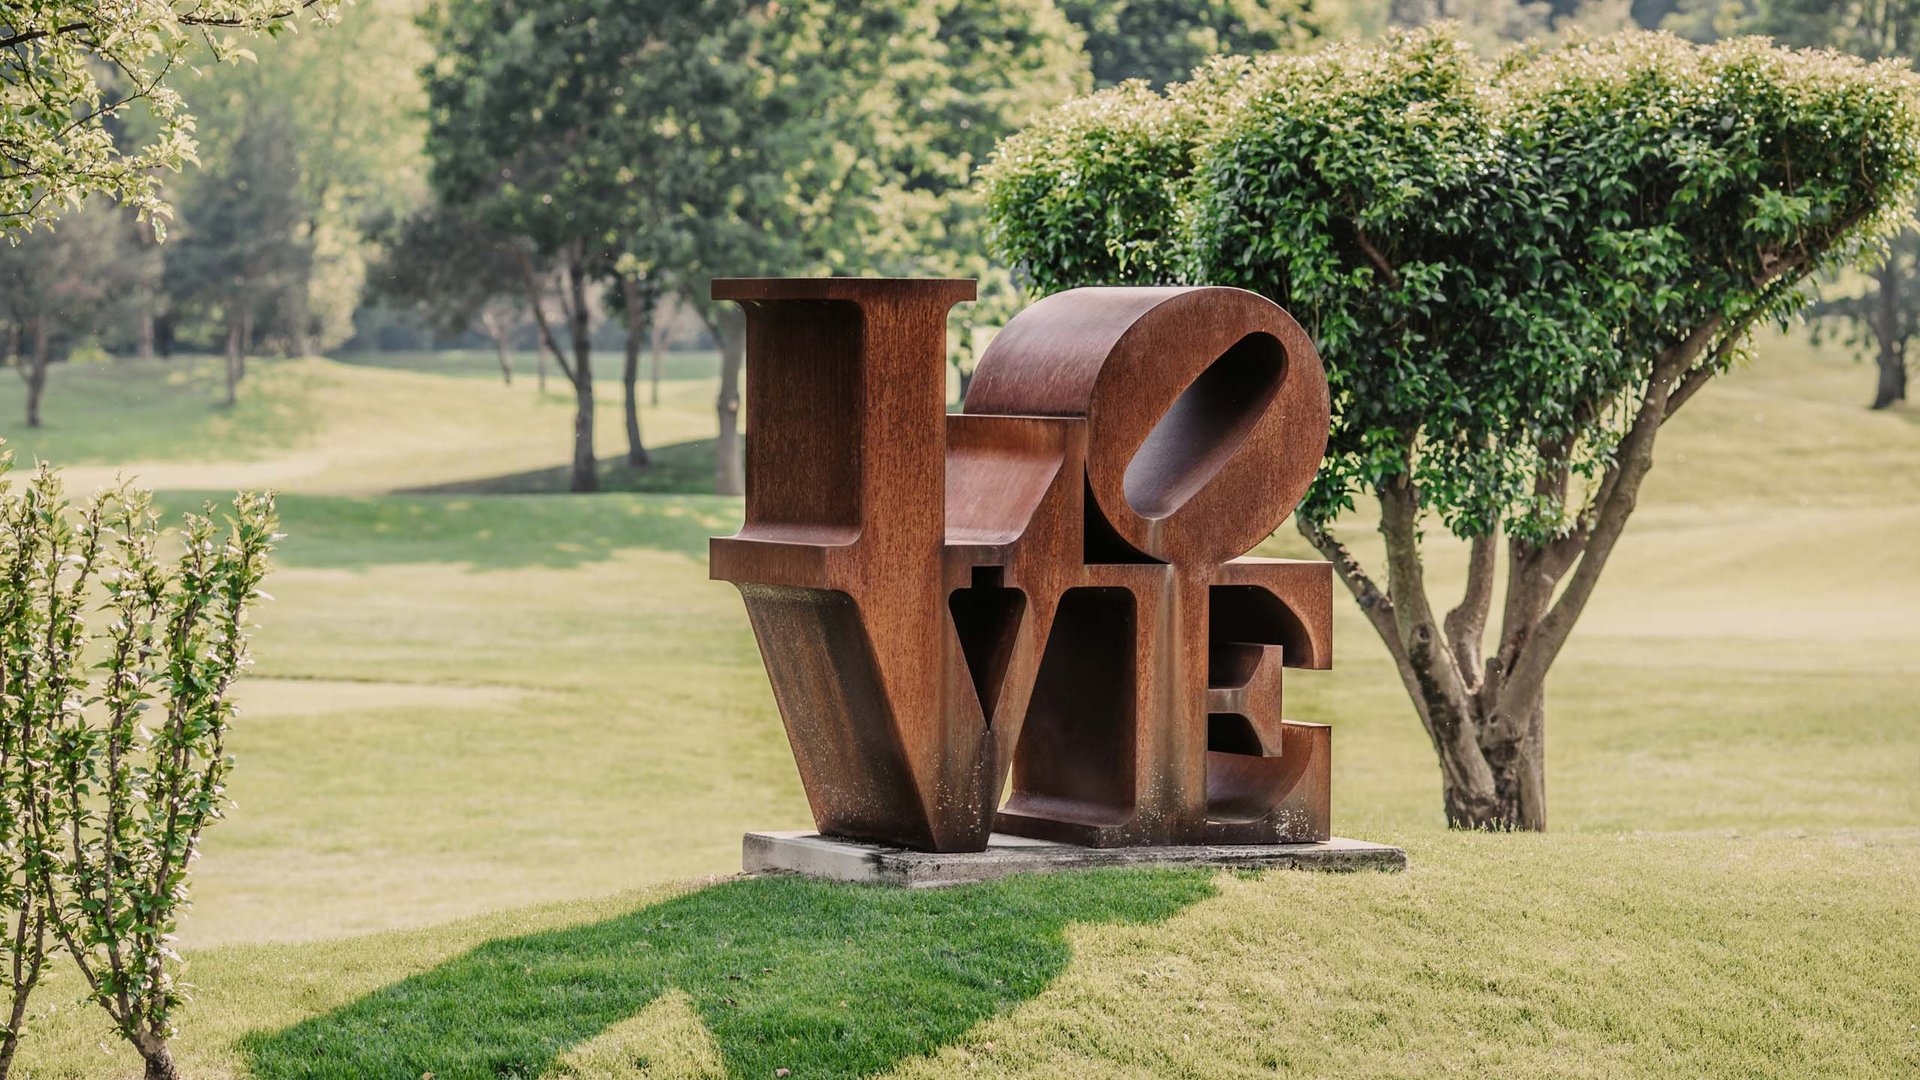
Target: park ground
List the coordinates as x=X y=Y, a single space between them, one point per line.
x=498 y=742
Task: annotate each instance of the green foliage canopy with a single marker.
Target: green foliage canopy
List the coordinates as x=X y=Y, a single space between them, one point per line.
x=1492 y=258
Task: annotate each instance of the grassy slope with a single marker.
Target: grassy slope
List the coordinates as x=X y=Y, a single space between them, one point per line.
x=471 y=703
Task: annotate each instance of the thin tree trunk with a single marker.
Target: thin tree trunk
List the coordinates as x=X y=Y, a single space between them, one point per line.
x=729 y=472
x=1892 y=383
x=506 y=361
x=29 y=955
x=656 y=344
x=36 y=374
x=143 y=332
x=586 y=471
x=233 y=361
x=639 y=303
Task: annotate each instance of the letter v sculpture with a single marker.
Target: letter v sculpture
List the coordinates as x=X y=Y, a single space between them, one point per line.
x=1034 y=617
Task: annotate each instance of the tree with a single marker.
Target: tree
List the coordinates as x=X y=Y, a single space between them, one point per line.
x=528 y=110
x=239 y=260
x=59 y=286
x=76 y=67
x=647 y=146
x=639 y=300
x=352 y=102
x=1516 y=273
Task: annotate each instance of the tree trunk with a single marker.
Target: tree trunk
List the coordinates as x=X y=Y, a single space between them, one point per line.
x=246 y=341
x=506 y=361
x=729 y=473
x=1892 y=388
x=639 y=303
x=586 y=471
x=233 y=360
x=143 y=333
x=1891 y=359
x=36 y=373
x=656 y=345
x=159 y=1057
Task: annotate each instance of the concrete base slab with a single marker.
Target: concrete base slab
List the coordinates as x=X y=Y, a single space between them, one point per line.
x=835 y=859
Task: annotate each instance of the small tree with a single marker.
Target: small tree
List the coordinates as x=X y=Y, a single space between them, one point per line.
x=238 y=261
x=107 y=781
x=1515 y=273
x=137 y=777
x=1882 y=320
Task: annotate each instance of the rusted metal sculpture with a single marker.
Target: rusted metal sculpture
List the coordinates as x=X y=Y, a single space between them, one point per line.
x=1046 y=584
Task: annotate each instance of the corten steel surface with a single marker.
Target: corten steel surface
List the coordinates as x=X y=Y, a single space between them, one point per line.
x=1047 y=584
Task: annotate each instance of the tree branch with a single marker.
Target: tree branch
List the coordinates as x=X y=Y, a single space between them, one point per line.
x=36 y=35
x=1374 y=604
x=1413 y=613
x=540 y=313
x=1619 y=492
x=1375 y=256
x=1466 y=625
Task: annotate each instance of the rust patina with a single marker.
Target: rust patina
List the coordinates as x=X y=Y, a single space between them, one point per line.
x=1048 y=587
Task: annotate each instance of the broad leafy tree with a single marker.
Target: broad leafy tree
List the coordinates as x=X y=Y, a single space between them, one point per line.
x=238 y=262
x=75 y=69
x=1516 y=274
x=643 y=147
x=351 y=99
x=617 y=138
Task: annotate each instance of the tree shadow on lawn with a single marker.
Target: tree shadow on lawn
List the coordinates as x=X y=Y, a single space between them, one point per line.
x=826 y=980
x=683 y=468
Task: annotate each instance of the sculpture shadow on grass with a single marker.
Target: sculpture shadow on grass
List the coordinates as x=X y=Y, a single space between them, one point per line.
x=825 y=980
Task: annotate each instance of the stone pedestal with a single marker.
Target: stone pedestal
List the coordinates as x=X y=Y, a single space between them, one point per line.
x=834 y=859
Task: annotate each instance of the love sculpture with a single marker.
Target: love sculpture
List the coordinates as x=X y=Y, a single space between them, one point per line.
x=1048 y=583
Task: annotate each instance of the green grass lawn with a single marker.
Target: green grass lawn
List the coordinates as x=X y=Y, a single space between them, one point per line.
x=489 y=733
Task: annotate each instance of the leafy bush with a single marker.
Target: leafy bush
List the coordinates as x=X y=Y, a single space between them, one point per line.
x=113 y=742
